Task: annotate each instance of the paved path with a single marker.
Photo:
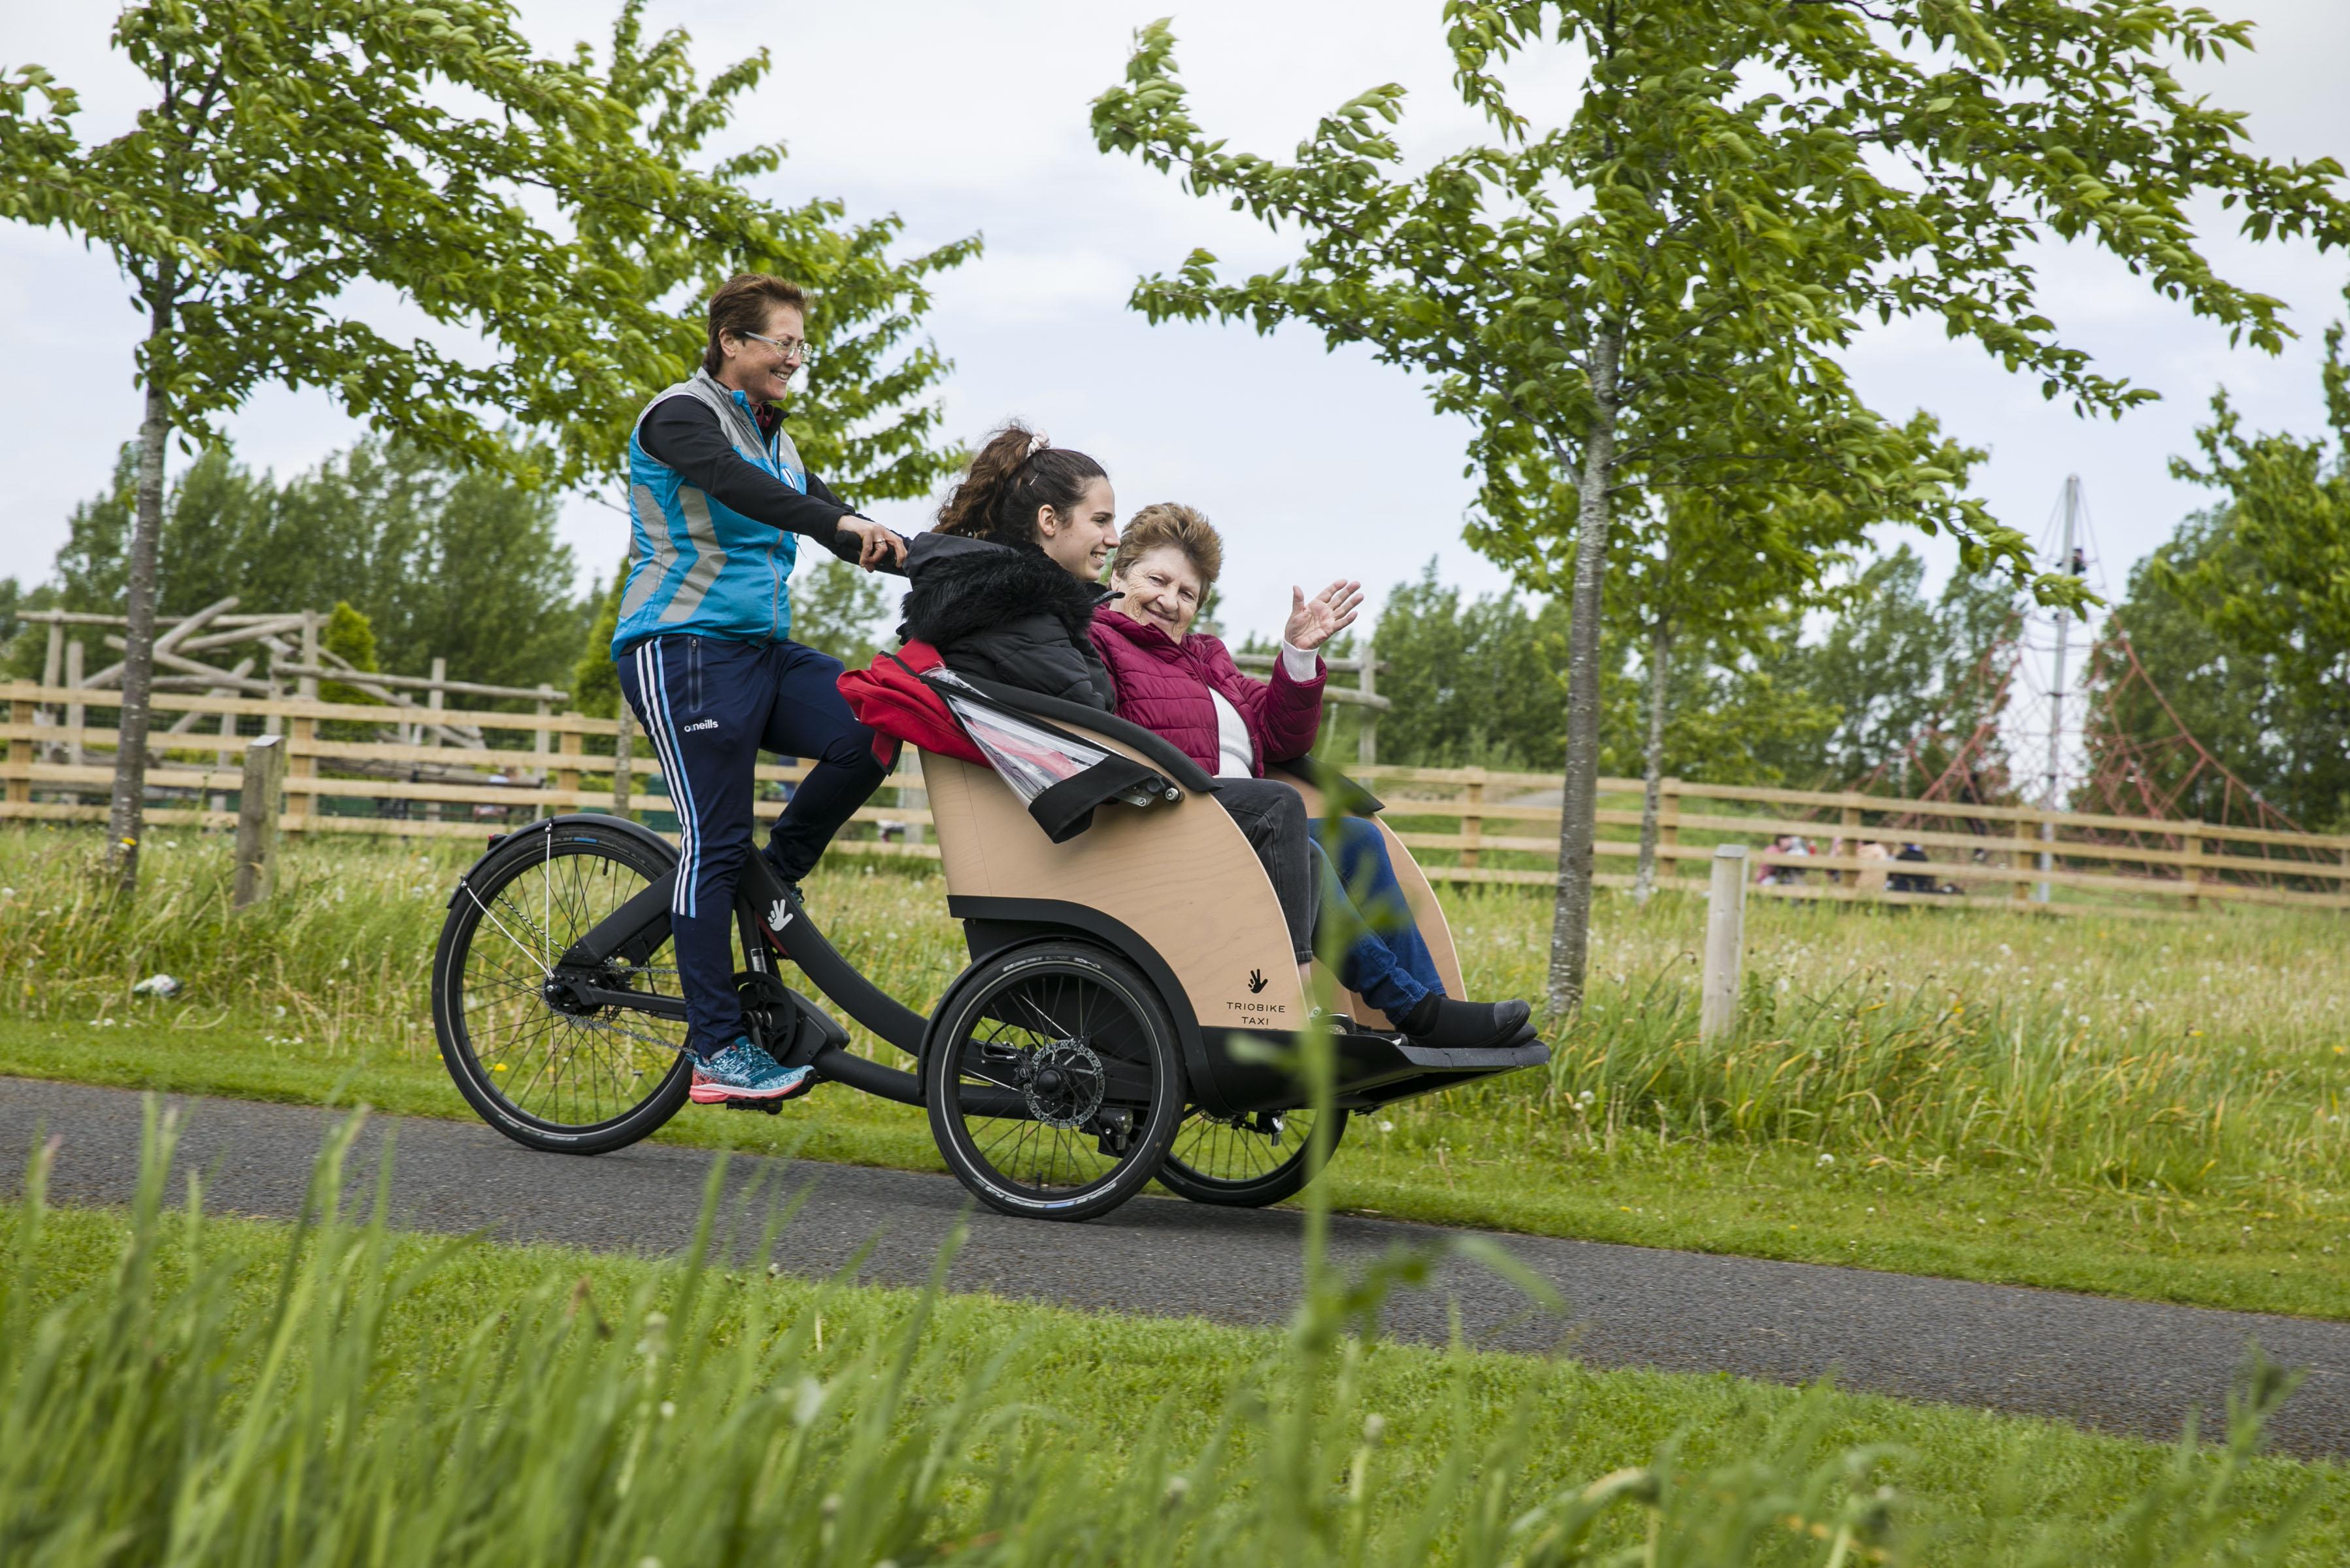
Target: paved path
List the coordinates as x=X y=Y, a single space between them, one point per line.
x=2128 y=1366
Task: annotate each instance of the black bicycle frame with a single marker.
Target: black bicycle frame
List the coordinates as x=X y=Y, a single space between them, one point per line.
x=633 y=932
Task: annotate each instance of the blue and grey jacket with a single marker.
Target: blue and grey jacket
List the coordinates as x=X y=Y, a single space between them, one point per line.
x=717 y=507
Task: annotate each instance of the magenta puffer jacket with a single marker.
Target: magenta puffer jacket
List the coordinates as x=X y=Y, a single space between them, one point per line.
x=1163 y=685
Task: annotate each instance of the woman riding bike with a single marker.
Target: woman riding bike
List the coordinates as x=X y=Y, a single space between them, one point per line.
x=719 y=502
x=1183 y=685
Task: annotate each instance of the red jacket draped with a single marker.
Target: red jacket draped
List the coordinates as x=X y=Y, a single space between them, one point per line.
x=1163 y=685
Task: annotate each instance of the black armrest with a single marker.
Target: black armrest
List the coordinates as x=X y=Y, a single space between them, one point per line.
x=1161 y=752
x=1343 y=794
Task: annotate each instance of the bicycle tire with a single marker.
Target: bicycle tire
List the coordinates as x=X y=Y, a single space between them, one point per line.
x=558 y=1082
x=1093 y=1136
x=1213 y=1161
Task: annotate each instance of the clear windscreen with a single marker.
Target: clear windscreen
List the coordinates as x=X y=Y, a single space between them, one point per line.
x=1028 y=757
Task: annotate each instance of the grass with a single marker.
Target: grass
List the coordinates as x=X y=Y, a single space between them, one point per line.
x=180 y=1387
x=2148 y=1111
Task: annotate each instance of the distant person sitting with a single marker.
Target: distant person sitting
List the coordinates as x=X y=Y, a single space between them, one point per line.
x=1909 y=884
x=1768 y=875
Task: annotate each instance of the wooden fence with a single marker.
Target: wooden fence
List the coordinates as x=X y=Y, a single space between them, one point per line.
x=1475 y=825
x=1467 y=825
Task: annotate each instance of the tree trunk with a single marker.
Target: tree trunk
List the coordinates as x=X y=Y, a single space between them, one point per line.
x=1652 y=775
x=1570 y=935
x=126 y=815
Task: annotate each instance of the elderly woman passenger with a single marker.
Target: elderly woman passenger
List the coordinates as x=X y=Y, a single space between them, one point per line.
x=1183 y=685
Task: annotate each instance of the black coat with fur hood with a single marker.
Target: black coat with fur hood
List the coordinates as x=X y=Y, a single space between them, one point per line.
x=1007 y=613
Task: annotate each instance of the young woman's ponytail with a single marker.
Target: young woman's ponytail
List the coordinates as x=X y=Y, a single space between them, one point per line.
x=1014 y=473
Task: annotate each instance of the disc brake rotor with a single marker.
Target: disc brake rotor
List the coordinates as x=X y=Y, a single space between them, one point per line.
x=1062 y=1083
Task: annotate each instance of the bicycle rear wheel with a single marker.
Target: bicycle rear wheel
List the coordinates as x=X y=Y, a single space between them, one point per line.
x=1245 y=1162
x=545 y=1071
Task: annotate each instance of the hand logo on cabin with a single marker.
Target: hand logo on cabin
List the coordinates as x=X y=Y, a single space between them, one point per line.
x=1257 y=981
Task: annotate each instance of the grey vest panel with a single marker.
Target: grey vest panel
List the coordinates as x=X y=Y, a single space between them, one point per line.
x=740 y=429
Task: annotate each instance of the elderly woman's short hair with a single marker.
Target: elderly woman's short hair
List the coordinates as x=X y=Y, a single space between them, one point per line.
x=1165 y=525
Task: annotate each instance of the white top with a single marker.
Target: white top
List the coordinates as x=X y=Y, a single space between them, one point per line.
x=1235 y=752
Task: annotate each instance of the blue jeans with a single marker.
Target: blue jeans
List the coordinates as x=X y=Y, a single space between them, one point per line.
x=1364 y=920
x=710 y=706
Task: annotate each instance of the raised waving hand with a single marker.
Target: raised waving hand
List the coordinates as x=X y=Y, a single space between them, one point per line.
x=1314 y=621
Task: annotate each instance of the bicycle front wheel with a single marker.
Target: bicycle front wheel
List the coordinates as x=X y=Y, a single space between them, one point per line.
x=544 y=1070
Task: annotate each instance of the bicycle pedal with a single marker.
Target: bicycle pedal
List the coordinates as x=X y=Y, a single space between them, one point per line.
x=773 y=1107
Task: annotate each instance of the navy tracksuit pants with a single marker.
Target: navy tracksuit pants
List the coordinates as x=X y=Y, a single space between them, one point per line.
x=710 y=706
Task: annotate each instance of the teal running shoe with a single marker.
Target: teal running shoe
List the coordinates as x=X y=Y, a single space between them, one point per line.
x=744 y=1071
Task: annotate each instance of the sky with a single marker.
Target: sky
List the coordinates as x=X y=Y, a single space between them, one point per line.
x=963 y=118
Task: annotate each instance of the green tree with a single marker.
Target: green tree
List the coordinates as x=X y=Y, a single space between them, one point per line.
x=1659 y=291
x=503 y=608
x=2285 y=738
x=348 y=636
x=1734 y=571
x=1472 y=683
x=25 y=641
x=836 y=606
x=2277 y=587
x=595 y=679
x=444 y=560
x=1893 y=664
x=293 y=149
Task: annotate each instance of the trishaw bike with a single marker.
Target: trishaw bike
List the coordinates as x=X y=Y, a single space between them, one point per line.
x=1128 y=1014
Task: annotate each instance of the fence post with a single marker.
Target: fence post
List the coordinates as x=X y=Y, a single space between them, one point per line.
x=20 y=753
x=1848 y=824
x=2203 y=873
x=623 y=739
x=307 y=688
x=1669 y=828
x=540 y=739
x=909 y=768
x=1725 y=942
x=301 y=762
x=2020 y=860
x=219 y=758
x=53 y=668
x=434 y=699
x=567 y=779
x=1473 y=821
x=76 y=714
x=256 y=819
x=1367 y=736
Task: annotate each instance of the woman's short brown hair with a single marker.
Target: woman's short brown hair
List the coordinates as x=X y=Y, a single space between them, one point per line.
x=1167 y=523
x=741 y=306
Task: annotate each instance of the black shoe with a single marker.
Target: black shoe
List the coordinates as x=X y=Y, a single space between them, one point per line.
x=767 y=854
x=1449 y=1026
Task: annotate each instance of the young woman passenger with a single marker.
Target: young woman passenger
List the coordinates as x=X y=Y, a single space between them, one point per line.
x=1005 y=588
x=1183 y=685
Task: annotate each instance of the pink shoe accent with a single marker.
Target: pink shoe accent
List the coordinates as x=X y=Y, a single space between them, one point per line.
x=705 y=1093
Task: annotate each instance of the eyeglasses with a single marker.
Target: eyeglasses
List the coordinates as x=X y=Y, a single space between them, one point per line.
x=789 y=347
